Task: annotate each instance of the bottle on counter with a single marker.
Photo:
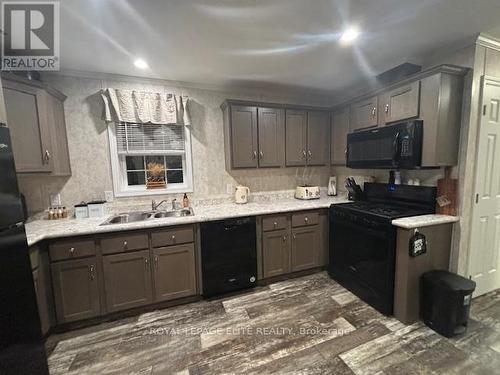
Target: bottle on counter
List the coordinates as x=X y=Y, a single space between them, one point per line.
x=185 y=201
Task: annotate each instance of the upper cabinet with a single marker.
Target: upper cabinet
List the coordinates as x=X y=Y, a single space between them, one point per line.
x=257 y=135
x=35 y=116
x=400 y=103
x=434 y=96
x=364 y=113
x=339 y=131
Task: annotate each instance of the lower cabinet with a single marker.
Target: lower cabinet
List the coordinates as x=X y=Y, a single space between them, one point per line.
x=127 y=280
x=305 y=248
x=42 y=300
x=174 y=272
x=275 y=253
x=76 y=289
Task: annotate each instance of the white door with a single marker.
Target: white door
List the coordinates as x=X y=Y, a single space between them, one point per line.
x=484 y=253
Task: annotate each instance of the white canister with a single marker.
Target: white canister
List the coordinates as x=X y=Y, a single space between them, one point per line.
x=81 y=211
x=96 y=208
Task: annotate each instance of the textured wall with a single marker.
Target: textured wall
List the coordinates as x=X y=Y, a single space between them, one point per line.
x=89 y=148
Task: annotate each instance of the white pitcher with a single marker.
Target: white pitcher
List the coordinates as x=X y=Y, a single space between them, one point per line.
x=241 y=194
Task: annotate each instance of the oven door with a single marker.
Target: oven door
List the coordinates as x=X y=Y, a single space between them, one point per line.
x=362 y=258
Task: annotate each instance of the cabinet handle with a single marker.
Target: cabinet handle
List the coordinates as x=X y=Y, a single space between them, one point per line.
x=387 y=108
x=72 y=251
x=91 y=272
x=254 y=154
x=306 y=219
x=294 y=236
x=374 y=111
x=275 y=224
x=156 y=261
x=304 y=154
x=309 y=153
x=261 y=154
x=173 y=237
x=146 y=263
x=47 y=155
x=284 y=238
x=125 y=244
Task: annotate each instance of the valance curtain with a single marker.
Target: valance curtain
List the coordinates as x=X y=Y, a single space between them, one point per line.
x=145 y=107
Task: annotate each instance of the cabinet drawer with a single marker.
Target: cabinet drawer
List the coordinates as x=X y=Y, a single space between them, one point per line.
x=274 y=223
x=124 y=243
x=71 y=249
x=304 y=219
x=172 y=236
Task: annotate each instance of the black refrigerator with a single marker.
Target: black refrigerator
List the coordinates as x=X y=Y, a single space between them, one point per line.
x=22 y=349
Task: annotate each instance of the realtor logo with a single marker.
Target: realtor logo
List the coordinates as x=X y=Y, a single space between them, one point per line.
x=30 y=35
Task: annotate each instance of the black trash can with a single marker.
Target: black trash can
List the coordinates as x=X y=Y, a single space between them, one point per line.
x=446 y=299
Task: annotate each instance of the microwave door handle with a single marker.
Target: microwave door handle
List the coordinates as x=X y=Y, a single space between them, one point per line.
x=395 y=147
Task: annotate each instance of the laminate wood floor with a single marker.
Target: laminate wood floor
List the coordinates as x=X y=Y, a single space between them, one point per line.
x=309 y=325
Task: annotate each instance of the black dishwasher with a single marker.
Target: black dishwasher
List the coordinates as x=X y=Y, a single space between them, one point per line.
x=228 y=255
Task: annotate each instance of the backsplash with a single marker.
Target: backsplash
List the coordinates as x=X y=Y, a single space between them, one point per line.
x=89 y=147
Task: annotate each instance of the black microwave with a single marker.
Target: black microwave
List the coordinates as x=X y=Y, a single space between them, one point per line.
x=388 y=147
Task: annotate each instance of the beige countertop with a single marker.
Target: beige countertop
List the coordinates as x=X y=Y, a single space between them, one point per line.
x=38 y=230
x=424 y=221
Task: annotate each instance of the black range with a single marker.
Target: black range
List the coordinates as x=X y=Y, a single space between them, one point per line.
x=363 y=239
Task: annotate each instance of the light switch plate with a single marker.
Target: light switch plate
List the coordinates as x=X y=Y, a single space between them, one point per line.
x=229 y=189
x=108 y=195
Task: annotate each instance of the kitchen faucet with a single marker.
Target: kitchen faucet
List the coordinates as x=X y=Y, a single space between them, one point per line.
x=154 y=205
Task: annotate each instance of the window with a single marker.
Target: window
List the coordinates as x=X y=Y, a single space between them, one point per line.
x=150 y=159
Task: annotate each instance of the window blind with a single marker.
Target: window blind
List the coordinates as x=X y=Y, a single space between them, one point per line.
x=148 y=138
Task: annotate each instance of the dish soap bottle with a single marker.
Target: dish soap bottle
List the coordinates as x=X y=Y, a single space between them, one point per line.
x=185 y=201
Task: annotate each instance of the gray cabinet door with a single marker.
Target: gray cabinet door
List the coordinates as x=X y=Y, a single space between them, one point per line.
x=271 y=137
x=174 y=272
x=76 y=290
x=400 y=103
x=340 y=129
x=42 y=300
x=244 y=136
x=305 y=248
x=296 y=137
x=364 y=114
x=57 y=123
x=318 y=136
x=27 y=119
x=127 y=280
x=275 y=253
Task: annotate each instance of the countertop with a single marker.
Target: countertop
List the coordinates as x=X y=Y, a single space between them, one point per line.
x=424 y=221
x=39 y=230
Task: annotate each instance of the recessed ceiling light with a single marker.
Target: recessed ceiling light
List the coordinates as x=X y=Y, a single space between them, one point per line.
x=349 y=35
x=141 y=64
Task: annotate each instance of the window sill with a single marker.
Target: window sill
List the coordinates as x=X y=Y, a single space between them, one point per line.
x=138 y=193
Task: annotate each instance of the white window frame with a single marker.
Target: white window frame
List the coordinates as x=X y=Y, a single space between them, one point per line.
x=119 y=169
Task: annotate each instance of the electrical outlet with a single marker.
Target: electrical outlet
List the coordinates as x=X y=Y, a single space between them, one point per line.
x=229 y=189
x=108 y=196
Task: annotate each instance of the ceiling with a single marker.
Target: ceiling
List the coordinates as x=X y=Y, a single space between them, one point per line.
x=282 y=43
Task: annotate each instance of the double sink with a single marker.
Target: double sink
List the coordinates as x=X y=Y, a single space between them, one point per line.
x=131 y=217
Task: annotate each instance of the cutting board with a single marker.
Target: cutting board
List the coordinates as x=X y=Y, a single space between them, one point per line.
x=447 y=194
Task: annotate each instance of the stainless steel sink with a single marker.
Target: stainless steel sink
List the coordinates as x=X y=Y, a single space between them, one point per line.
x=131 y=217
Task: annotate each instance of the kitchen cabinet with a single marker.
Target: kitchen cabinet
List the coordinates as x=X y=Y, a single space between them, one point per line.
x=271 y=137
x=243 y=135
x=296 y=137
x=339 y=131
x=276 y=253
x=43 y=290
x=318 y=133
x=127 y=280
x=305 y=248
x=76 y=289
x=174 y=272
x=492 y=63
x=400 y=103
x=364 y=114
x=35 y=116
x=30 y=133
